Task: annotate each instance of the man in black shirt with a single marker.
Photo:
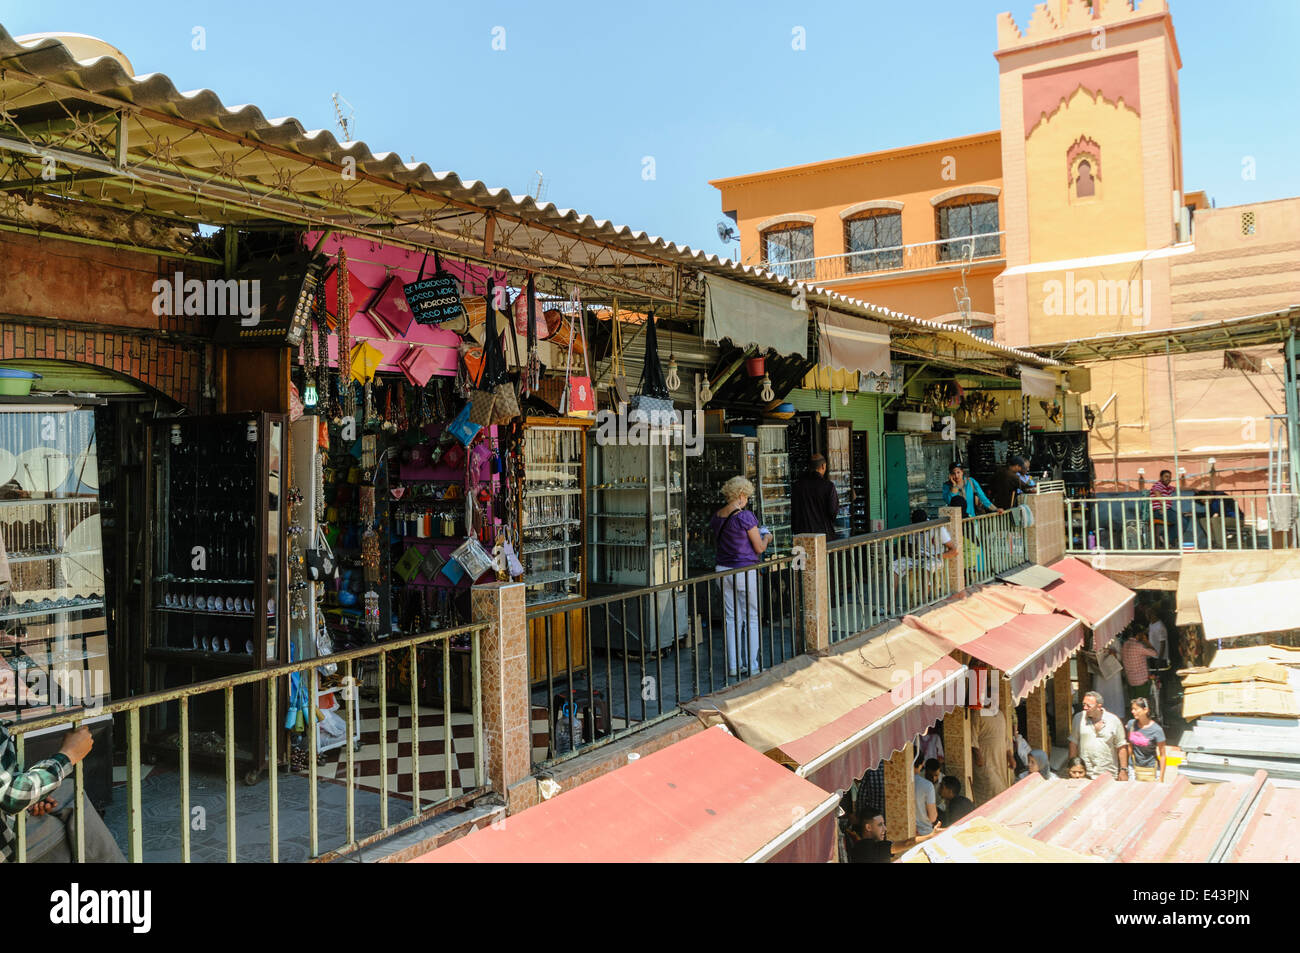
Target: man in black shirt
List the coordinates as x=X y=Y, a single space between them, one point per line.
x=957 y=806
x=1007 y=482
x=814 y=504
x=870 y=847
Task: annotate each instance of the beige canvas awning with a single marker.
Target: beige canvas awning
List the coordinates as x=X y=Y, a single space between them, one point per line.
x=1202 y=572
x=1272 y=606
x=833 y=717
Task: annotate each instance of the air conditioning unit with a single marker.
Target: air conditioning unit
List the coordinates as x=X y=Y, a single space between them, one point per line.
x=915 y=420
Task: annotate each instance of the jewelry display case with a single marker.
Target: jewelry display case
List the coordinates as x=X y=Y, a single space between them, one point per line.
x=552 y=479
x=839 y=470
x=215 y=574
x=774 y=483
x=53 y=625
x=637 y=536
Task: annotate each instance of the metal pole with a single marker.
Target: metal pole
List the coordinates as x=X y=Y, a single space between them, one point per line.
x=1292 y=411
x=1173 y=423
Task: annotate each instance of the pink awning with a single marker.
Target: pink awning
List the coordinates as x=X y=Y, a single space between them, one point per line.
x=709 y=798
x=1029 y=648
x=834 y=756
x=1097 y=601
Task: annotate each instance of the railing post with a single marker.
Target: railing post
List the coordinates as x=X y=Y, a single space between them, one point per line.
x=814 y=579
x=956 y=567
x=900 y=794
x=1045 y=540
x=507 y=710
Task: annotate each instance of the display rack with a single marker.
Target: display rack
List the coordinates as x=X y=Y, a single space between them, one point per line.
x=215 y=575
x=552 y=531
x=839 y=470
x=774 y=483
x=637 y=537
x=724 y=456
x=860 y=505
x=53 y=627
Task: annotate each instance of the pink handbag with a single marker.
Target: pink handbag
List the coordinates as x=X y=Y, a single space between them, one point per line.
x=359 y=291
x=390 y=310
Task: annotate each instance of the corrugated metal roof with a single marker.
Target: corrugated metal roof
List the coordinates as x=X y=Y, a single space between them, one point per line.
x=1131 y=822
x=198 y=146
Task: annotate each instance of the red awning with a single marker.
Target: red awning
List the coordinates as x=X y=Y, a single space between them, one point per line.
x=1100 y=603
x=1029 y=648
x=709 y=798
x=835 y=755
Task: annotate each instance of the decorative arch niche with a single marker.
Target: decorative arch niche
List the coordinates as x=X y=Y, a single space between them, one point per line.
x=1083 y=170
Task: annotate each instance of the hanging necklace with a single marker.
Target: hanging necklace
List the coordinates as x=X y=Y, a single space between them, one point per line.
x=345 y=335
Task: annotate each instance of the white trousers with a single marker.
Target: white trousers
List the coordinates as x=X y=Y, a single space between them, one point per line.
x=740 y=618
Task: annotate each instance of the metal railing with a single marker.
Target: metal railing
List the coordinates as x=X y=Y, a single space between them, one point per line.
x=178 y=700
x=992 y=544
x=1210 y=522
x=640 y=654
x=874 y=261
x=887 y=575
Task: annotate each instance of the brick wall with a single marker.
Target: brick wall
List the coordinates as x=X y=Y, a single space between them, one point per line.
x=172 y=369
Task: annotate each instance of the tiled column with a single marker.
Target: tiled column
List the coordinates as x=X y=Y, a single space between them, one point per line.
x=956 y=747
x=900 y=795
x=1064 y=701
x=956 y=567
x=1036 y=718
x=1046 y=538
x=814 y=578
x=1008 y=706
x=503 y=651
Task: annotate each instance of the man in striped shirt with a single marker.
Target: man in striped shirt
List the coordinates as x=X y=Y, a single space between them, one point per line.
x=1161 y=490
x=51 y=827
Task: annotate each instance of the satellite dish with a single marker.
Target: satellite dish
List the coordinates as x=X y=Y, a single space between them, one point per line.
x=728 y=232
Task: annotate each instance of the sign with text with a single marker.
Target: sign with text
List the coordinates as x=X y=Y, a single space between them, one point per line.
x=434 y=300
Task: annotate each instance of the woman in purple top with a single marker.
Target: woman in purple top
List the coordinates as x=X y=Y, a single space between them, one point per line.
x=740 y=543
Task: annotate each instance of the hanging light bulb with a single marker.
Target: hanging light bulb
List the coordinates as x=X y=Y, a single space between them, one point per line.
x=251 y=432
x=176 y=435
x=673 y=379
x=706 y=392
x=766 y=393
x=844 y=396
x=309 y=396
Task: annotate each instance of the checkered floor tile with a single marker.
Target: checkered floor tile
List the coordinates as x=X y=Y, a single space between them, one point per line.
x=396 y=755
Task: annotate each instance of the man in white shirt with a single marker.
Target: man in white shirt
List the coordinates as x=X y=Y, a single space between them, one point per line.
x=1098 y=737
x=1157 y=634
x=927 y=808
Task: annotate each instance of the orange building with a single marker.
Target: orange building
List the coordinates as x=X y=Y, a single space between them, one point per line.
x=1070 y=221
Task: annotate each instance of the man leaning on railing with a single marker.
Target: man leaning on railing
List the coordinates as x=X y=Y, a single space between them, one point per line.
x=52 y=832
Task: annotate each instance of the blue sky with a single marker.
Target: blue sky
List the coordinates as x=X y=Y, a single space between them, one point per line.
x=584 y=91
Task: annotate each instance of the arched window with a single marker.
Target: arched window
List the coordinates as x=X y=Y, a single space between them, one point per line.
x=962 y=219
x=788 y=251
x=1083 y=169
x=874 y=241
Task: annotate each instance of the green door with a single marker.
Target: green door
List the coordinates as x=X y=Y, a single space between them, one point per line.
x=896 y=489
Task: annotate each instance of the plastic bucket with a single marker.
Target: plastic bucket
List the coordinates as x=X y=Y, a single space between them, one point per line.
x=16 y=383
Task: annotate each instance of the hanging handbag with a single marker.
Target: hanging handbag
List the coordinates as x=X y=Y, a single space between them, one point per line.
x=621 y=394
x=473 y=559
x=579 y=400
x=436 y=299
x=462 y=428
x=496 y=377
x=653 y=404
x=480 y=405
x=388 y=309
